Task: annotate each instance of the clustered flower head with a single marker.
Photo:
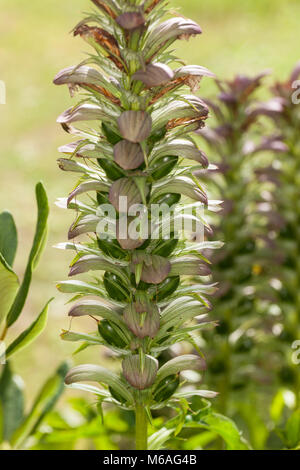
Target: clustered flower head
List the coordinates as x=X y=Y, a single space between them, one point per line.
x=137 y=146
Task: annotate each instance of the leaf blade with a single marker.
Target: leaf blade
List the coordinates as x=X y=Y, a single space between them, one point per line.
x=8 y=237
x=35 y=253
x=30 y=334
x=44 y=402
x=11 y=401
x=9 y=284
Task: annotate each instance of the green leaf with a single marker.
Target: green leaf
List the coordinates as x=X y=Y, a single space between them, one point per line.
x=225 y=428
x=8 y=237
x=1 y=424
x=199 y=441
x=157 y=440
x=11 y=402
x=257 y=427
x=9 y=284
x=30 y=334
x=277 y=406
x=293 y=430
x=44 y=402
x=36 y=250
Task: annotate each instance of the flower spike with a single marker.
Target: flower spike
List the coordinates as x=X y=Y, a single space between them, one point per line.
x=137 y=201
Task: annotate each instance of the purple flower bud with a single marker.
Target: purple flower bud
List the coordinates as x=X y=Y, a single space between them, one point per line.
x=140 y=377
x=124 y=239
x=130 y=20
x=142 y=324
x=155 y=269
x=128 y=155
x=124 y=188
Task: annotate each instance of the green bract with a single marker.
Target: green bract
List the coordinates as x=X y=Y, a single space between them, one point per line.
x=136 y=148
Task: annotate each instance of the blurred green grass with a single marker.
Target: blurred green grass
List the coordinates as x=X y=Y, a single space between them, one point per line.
x=244 y=37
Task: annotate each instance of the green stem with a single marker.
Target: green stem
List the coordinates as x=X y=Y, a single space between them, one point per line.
x=141 y=424
x=225 y=385
x=4 y=333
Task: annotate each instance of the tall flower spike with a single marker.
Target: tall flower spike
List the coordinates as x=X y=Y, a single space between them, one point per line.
x=283 y=171
x=241 y=269
x=139 y=113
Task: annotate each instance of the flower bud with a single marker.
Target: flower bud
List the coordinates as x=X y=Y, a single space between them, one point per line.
x=130 y=20
x=135 y=126
x=140 y=377
x=128 y=155
x=142 y=324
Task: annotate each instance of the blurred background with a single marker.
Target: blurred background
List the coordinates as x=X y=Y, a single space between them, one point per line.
x=244 y=37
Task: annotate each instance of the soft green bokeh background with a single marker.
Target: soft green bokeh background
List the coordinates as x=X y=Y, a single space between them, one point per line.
x=238 y=36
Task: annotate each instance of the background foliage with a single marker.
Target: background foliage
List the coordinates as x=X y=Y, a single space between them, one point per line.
x=237 y=37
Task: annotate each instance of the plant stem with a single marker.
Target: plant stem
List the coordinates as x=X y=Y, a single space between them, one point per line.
x=4 y=334
x=225 y=387
x=141 y=422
